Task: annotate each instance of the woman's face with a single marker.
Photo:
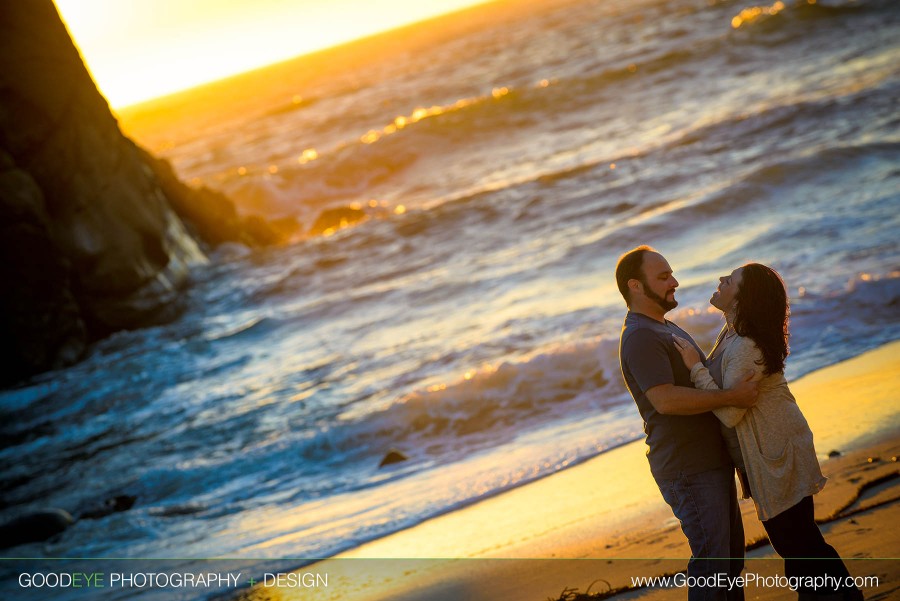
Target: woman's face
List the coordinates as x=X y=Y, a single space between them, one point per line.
x=724 y=296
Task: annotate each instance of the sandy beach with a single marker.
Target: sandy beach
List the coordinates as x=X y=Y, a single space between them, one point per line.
x=594 y=526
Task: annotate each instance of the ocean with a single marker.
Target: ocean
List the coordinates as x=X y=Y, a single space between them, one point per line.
x=504 y=157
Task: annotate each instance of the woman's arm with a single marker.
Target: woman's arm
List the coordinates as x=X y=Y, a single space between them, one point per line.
x=700 y=376
x=738 y=365
x=742 y=360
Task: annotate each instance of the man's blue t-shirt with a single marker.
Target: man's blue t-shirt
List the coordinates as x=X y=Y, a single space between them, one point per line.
x=678 y=444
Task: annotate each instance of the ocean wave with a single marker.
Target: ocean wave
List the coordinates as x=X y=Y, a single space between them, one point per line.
x=709 y=138
x=363 y=256
x=297 y=103
x=484 y=405
x=486 y=401
x=383 y=154
x=761 y=185
x=254 y=328
x=834 y=325
x=378 y=155
x=780 y=125
x=768 y=18
x=766 y=184
x=14 y=400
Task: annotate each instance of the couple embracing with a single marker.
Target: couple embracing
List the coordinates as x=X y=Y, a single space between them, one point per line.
x=705 y=416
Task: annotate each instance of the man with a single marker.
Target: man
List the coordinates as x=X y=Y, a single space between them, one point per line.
x=687 y=454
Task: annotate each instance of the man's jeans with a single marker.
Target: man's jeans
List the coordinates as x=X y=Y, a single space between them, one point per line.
x=707 y=507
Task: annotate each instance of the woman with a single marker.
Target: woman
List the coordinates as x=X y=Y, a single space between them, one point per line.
x=774 y=443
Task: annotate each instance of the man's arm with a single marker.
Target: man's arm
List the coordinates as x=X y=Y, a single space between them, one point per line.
x=669 y=399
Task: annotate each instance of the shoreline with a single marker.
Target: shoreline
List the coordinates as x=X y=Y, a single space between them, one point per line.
x=603 y=520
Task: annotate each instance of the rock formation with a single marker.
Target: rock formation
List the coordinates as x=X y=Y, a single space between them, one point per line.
x=89 y=241
x=212 y=216
x=336 y=218
x=393 y=456
x=34 y=527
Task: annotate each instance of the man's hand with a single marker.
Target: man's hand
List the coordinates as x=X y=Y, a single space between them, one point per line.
x=669 y=399
x=745 y=392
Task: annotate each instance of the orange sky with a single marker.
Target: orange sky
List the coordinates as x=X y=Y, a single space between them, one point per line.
x=142 y=49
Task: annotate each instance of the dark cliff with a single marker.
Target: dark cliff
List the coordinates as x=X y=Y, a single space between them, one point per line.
x=91 y=240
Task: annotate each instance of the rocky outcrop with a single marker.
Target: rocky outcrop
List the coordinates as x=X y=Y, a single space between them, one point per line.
x=40 y=323
x=337 y=218
x=34 y=527
x=90 y=243
x=393 y=456
x=213 y=216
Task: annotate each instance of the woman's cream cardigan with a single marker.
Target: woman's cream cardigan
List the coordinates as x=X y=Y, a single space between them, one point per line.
x=775 y=439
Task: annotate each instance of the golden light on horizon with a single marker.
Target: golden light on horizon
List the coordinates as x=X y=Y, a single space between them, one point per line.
x=144 y=49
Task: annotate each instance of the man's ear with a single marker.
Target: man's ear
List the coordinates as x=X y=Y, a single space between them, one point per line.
x=635 y=285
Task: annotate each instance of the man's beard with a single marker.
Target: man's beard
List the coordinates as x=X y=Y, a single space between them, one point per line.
x=666 y=305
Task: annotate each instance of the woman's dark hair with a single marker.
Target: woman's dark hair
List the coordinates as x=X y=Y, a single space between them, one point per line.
x=762 y=314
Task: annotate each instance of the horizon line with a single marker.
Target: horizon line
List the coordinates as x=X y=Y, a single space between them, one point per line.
x=369 y=38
